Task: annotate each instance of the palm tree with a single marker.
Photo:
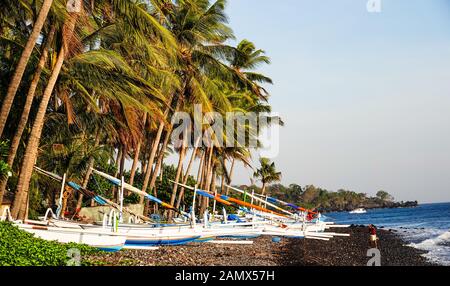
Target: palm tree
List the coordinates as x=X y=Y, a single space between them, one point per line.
x=126 y=9
x=26 y=109
x=23 y=61
x=266 y=173
x=246 y=59
x=19 y=206
x=110 y=82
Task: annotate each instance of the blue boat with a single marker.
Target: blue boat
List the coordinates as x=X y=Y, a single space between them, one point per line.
x=111 y=248
x=159 y=241
x=242 y=236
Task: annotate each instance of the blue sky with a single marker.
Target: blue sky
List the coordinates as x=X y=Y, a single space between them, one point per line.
x=365 y=96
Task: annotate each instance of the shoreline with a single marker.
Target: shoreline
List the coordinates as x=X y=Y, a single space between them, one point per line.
x=340 y=251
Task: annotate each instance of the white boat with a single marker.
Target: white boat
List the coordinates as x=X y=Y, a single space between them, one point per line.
x=150 y=236
x=103 y=241
x=358 y=211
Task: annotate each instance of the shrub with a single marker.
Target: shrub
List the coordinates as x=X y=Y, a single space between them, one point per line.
x=20 y=248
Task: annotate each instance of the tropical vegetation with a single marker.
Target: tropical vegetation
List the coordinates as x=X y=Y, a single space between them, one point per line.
x=313 y=197
x=20 y=248
x=88 y=84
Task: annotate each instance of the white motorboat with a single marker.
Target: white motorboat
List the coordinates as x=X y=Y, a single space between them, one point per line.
x=358 y=211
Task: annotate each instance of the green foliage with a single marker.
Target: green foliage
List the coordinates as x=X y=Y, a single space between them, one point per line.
x=100 y=185
x=4 y=168
x=143 y=57
x=267 y=172
x=313 y=197
x=19 y=248
x=382 y=195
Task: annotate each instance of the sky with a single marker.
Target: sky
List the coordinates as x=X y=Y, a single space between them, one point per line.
x=365 y=96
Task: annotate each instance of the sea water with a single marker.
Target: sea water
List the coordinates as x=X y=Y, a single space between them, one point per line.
x=426 y=227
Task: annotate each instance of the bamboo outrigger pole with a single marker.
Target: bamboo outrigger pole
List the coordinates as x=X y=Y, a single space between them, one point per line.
x=229 y=203
x=89 y=194
x=135 y=190
x=227 y=200
x=291 y=205
x=260 y=200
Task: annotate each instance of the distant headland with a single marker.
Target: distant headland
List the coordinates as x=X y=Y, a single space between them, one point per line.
x=312 y=197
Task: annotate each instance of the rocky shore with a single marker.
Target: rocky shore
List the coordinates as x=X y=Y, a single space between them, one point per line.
x=340 y=251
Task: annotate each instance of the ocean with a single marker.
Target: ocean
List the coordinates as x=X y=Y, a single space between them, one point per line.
x=426 y=227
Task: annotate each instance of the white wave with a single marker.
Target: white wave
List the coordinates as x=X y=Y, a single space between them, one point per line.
x=437 y=247
x=434 y=241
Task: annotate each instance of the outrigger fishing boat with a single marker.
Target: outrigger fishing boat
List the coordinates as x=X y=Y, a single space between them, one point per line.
x=143 y=234
x=113 y=234
x=274 y=224
x=70 y=231
x=103 y=241
x=109 y=242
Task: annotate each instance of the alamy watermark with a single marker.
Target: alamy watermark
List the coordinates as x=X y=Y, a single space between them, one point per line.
x=73 y=6
x=375 y=255
x=74 y=257
x=234 y=129
x=373 y=6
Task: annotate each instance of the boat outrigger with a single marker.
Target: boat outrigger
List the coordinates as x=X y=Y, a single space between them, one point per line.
x=113 y=234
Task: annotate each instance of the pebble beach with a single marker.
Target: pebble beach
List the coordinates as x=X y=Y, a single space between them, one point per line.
x=340 y=251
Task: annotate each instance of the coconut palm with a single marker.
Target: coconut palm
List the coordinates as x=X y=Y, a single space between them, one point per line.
x=130 y=11
x=108 y=83
x=267 y=173
x=23 y=61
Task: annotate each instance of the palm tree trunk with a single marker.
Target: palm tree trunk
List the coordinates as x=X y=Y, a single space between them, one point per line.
x=144 y=165
x=186 y=176
x=23 y=61
x=31 y=150
x=26 y=109
x=177 y=178
x=200 y=171
x=27 y=206
x=210 y=171
x=159 y=162
x=136 y=155
x=263 y=190
x=222 y=184
x=149 y=169
x=207 y=184
x=213 y=189
x=88 y=174
x=160 y=158
x=231 y=174
x=66 y=195
x=153 y=155
x=161 y=171
x=202 y=167
x=157 y=170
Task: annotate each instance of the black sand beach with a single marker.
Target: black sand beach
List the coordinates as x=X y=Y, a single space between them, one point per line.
x=339 y=251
